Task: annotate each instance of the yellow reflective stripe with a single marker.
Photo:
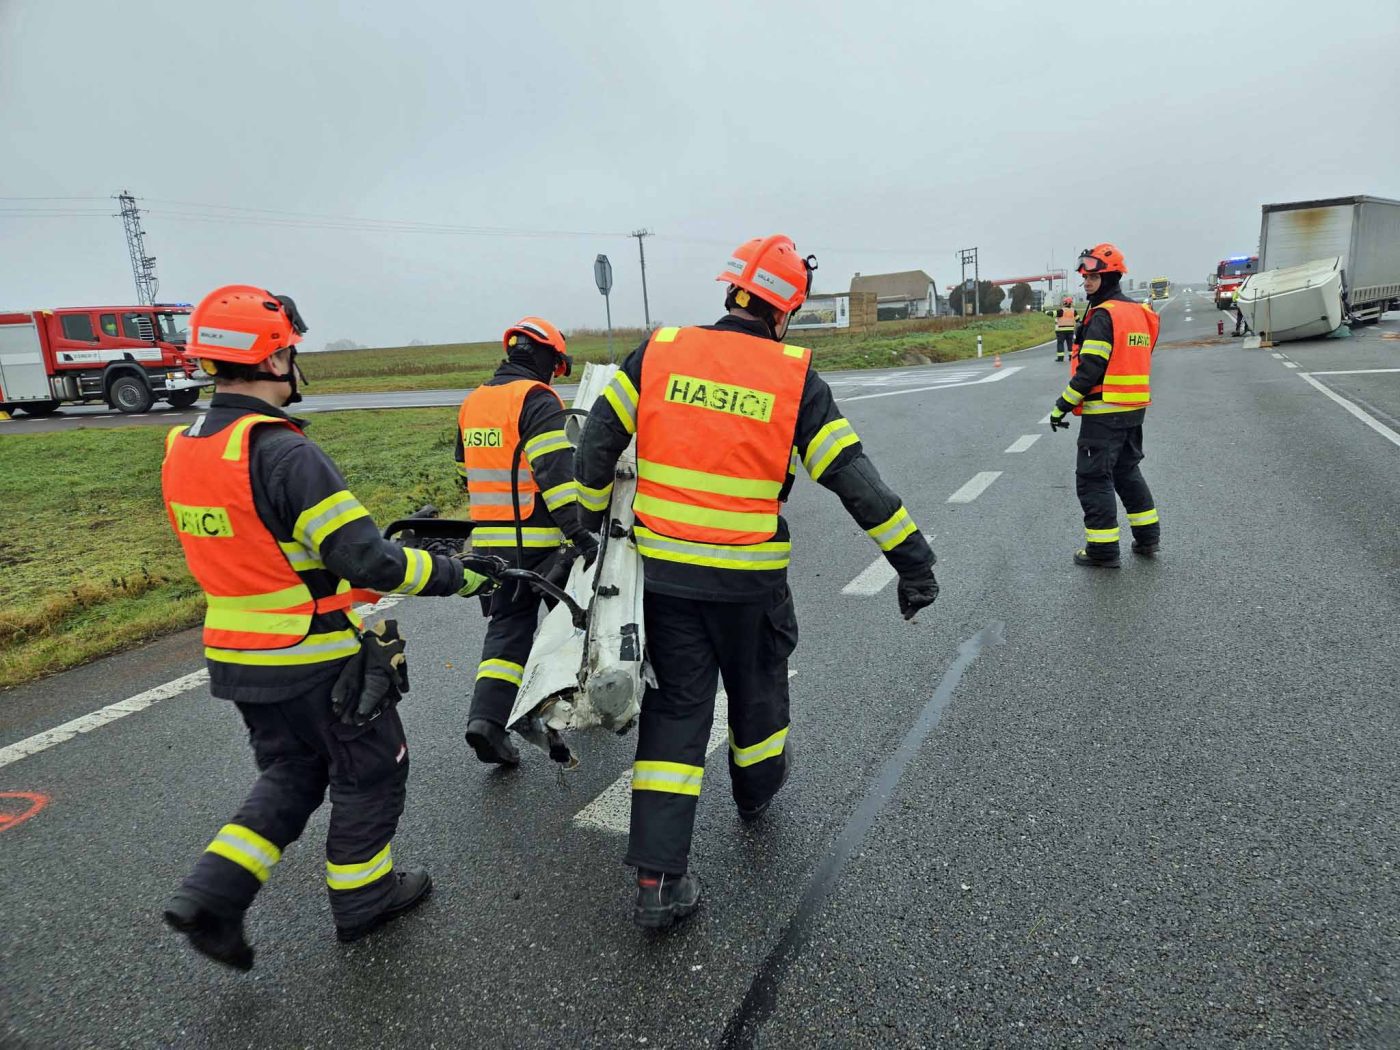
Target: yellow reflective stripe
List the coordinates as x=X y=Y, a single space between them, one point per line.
x=1096 y=348
x=622 y=395
x=756 y=753
x=1102 y=535
x=1125 y=380
x=560 y=495
x=751 y=556
x=1102 y=408
x=792 y=462
x=733 y=520
x=313 y=649
x=233 y=448
x=1144 y=517
x=353 y=876
x=316 y=523
x=544 y=444
x=675 y=778
x=666 y=335
x=505 y=670
x=504 y=536
x=594 y=499
x=1126 y=397
x=171 y=435
x=1072 y=395
x=418 y=569
x=826 y=445
x=461 y=470
x=255 y=622
x=793 y=351
x=890 y=533
x=272 y=601
x=299 y=558
x=246 y=848
x=701 y=481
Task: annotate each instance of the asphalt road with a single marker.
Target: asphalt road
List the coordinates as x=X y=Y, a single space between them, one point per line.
x=1153 y=806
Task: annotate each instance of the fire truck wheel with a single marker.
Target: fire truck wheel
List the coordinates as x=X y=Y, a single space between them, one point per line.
x=183 y=398
x=38 y=408
x=130 y=394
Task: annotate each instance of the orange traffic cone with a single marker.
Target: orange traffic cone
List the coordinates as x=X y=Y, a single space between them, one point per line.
x=997 y=363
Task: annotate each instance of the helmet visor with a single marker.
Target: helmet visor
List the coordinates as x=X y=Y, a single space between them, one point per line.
x=1090 y=263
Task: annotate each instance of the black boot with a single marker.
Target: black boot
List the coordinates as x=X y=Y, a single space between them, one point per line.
x=1147 y=550
x=748 y=814
x=216 y=935
x=664 y=899
x=491 y=742
x=1083 y=557
x=411 y=888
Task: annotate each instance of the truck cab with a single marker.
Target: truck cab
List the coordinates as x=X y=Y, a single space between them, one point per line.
x=1229 y=275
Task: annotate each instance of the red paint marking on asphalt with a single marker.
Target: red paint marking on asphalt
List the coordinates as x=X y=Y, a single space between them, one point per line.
x=12 y=816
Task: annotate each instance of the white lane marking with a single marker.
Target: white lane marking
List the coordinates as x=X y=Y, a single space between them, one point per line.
x=975 y=487
x=992 y=378
x=1277 y=357
x=611 y=811
x=1356 y=410
x=1356 y=372
x=1046 y=420
x=87 y=723
x=875 y=577
x=1024 y=442
x=1289 y=364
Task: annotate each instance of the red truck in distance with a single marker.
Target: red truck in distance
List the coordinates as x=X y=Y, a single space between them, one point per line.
x=127 y=357
x=1229 y=275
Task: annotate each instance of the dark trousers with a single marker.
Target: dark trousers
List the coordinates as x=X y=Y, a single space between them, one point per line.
x=300 y=750
x=1241 y=326
x=692 y=645
x=1106 y=471
x=515 y=614
x=1064 y=343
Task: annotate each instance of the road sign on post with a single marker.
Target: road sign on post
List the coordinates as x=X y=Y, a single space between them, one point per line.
x=602 y=274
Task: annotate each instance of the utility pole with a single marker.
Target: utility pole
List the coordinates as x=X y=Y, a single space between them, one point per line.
x=143 y=266
x=968 y=256
x=641 y=252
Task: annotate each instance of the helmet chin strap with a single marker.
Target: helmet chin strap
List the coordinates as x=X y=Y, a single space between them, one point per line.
x=294 y=376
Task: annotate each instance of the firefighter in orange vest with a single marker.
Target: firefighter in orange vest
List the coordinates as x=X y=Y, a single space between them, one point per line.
x=1064 y=328
x=1110 y=373
x=517 y=402
x=282 y=549
x=722 y=414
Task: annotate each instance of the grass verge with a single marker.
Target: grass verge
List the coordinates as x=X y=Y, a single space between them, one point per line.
x=90 y=564
x=457 y=366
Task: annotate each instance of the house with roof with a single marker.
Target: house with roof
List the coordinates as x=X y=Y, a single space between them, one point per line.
x=909 y=293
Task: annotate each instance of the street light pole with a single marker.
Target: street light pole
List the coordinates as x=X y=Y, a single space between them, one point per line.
x=641 y=252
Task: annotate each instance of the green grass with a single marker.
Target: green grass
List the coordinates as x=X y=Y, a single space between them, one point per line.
x=90 y=564
x=456 y=366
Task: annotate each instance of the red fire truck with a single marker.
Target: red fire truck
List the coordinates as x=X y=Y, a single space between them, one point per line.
x=126 y=356
x=1229 y=275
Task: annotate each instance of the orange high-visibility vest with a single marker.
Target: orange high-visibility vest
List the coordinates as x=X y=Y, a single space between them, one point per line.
x=490 y=423
x=256 y=600
x=1126 y=384
x=716 y=416
x=1064 y=321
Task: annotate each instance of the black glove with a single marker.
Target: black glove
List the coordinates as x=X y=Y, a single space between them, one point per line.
x=1058 y=420
x=374 y=679
x=587 y=545
x=916 y=592
x=480 y=572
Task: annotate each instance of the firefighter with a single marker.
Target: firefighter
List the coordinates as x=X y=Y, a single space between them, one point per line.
x=1109 y=386
x=282 y=549
x=517 y=402
x=1241 y=326
x=722 y=414
x=1064 y=327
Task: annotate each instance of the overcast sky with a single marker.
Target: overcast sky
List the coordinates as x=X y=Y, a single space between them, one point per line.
x=882 y=136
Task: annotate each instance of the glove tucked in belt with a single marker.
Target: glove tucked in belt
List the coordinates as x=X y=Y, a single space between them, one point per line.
x=374 y=679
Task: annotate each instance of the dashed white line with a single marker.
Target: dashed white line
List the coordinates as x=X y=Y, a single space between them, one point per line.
x=1356 y=410
x=611 y=811
x=990 y=378
x=1046 y=420
x=975 y=487
x=1289 y=364
x=1024 y=442
x=1277 y=357
x=875 y=577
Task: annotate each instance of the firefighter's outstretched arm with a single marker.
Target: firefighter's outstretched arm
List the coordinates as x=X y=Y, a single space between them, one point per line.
x=611 y=423
x=832 y=454
x=330 y=528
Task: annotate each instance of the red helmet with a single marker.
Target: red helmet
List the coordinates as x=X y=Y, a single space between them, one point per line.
x=1102 y=258
x=243 y=324
x=541 y=331
x=1067 y=301
x=771 y=269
